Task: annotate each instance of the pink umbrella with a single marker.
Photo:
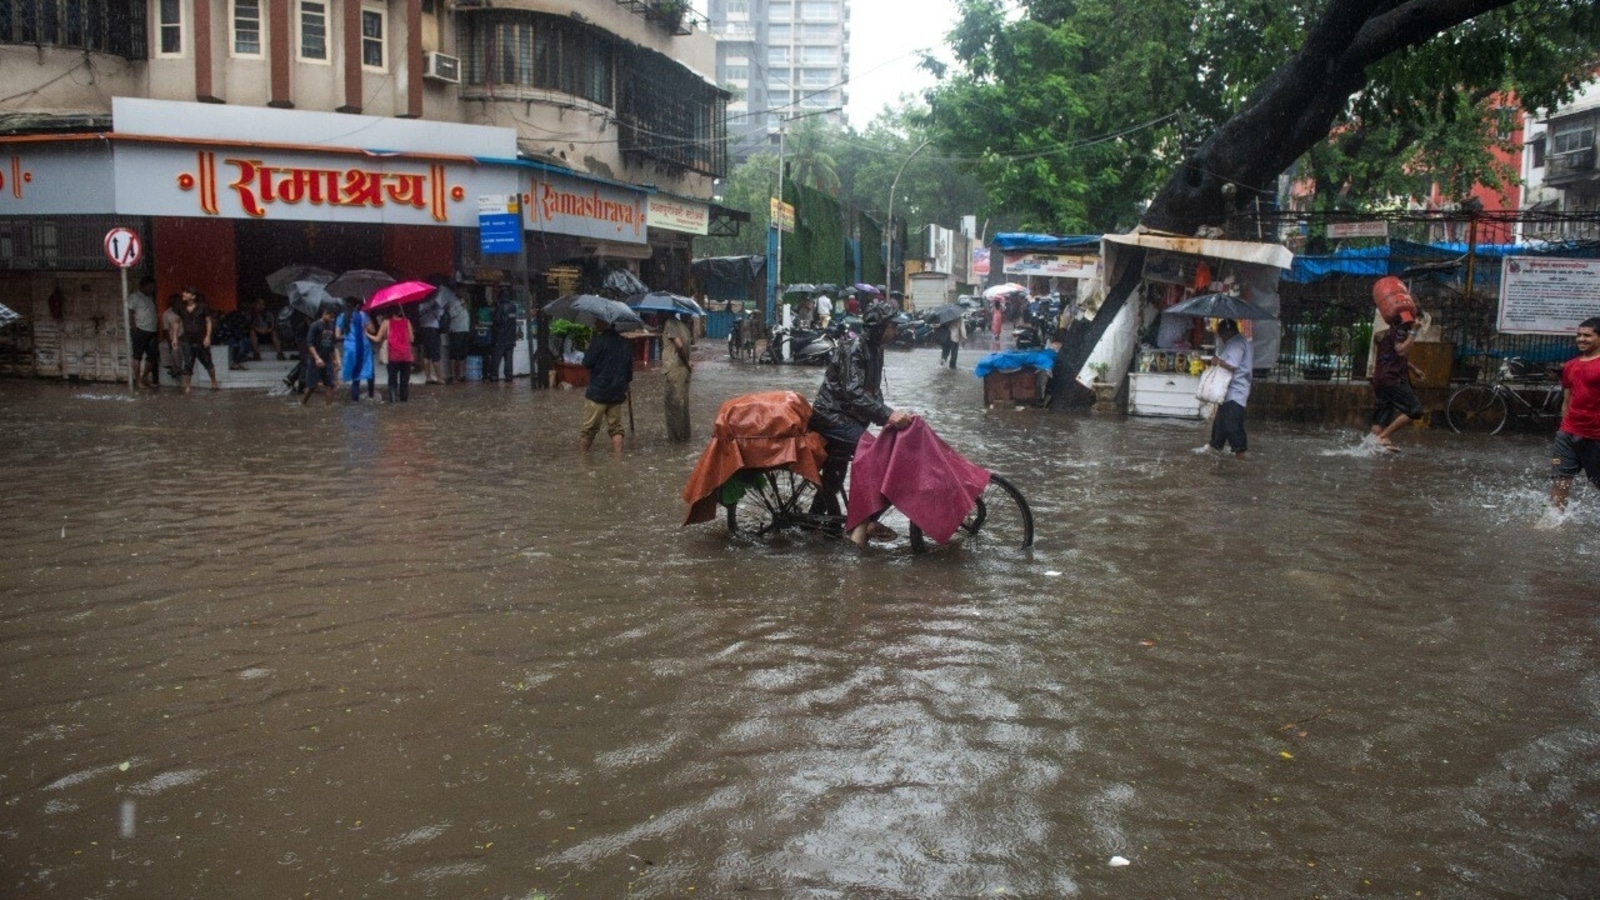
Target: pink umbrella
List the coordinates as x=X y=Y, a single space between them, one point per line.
x=396 y=294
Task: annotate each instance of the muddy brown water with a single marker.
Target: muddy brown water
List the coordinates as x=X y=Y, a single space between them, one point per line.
x=251 y=649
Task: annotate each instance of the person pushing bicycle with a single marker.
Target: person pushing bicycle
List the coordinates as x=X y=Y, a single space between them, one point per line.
x=850 y=399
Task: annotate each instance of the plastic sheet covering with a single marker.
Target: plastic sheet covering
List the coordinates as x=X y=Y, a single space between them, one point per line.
x=754 y=431
x=916 y=472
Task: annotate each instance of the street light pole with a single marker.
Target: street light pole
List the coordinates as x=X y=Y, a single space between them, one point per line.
x=888 y=226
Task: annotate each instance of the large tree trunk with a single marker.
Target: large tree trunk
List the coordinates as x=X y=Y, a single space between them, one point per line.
x=1285 y=117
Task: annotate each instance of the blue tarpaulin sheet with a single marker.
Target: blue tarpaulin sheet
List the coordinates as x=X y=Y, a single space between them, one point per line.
x=1012 y=360
x=1044 y=242
x=1376 y=262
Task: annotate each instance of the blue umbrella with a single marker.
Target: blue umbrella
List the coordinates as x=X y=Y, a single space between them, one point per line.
x=666 y=302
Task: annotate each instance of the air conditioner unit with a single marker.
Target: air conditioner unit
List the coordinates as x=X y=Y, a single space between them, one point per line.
x=441 y=67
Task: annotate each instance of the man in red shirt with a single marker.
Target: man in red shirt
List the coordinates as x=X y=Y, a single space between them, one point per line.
x=1577 y=444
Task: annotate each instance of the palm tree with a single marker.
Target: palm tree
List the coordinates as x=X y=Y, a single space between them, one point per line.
x=810 y=164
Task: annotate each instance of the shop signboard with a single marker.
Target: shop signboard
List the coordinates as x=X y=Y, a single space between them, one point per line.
x=1547 y=295
x=671 y=214
x=1050 y=265
x=563 y=204
x=1340 y=230
x=980 y=263
x=500 y=223
x=289 y=185
x=54 y=179
x=782 y=213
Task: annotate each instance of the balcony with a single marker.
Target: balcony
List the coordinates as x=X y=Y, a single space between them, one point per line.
x=673 y=15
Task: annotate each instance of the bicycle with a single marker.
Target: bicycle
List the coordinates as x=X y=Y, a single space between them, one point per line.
x=763 y=502
x=1485 y=408
x=763 y=467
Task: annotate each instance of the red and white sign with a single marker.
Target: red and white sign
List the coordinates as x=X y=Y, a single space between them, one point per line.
x=124 y=248
x=1341 y=230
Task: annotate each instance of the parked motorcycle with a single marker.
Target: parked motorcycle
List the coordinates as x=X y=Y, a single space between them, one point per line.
x=911 y=332
x=1038 y=324
x=805 y=346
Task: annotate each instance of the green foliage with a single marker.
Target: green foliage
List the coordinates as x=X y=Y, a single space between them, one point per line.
x=566 y=328
x=748 y=188
x=1075 y=111
x=816 y=251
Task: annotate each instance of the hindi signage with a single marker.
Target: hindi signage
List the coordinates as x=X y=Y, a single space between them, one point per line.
x=679 y=215
x=500 y=223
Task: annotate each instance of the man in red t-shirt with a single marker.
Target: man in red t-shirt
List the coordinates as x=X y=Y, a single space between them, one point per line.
x=1577 y=444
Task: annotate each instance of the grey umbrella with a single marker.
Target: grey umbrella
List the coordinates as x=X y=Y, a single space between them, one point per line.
x=309 y=297
x=589 y=308
x=280 y=281
x=359 y=283
x=1218 y=306
x=946 y=313
x=622 y=282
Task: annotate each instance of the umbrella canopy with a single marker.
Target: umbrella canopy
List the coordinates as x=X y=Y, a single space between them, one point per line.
x=309 y=296
x=622 y=282
x=1001 y=290
x=1218 y=306
x=664 y=301
x=7 y=316
x=800 y=288
x=360 y=283
x=589 y=308
x=280 y=281
x=396 y=294
x=946 y=313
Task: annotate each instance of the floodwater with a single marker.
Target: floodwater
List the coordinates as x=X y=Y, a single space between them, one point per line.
x=251 y=649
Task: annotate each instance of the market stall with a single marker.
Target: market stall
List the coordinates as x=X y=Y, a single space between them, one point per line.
x=1163 y=356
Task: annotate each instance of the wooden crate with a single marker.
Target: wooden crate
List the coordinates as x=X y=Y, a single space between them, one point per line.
x=1022 y=386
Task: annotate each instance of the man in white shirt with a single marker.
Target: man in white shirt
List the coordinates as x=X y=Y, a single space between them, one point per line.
x=144 y=325
x=824 y=310
x=1235 y=355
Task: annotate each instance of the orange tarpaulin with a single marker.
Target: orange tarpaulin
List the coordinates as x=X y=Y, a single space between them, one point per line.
x=755 y=431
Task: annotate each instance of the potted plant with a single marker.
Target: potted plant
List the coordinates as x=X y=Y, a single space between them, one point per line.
x=573 y=338
x=1100 y=370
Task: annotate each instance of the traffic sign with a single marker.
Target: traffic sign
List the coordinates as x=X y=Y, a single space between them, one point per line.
x=124 y=248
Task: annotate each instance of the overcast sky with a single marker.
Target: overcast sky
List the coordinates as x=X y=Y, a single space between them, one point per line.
x=883 y=39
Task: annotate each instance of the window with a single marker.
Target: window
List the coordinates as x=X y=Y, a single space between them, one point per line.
x=778 y=56
x=313 y=30
x=819 y=32
x=1573 y=137
x=780 y=12
x=171 y=28
x=373 y=25
x=780 y=34
x=1537 y=149
x=99 y=26
x=246 y=27
x=819 y=55
x=737 y=74
x=777 y=98
x=819 y=11
x=815 y=78
x=738 y=8
x=546 y=52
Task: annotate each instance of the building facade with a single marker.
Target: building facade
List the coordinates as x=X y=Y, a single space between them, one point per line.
x=780 y=58
x=237 y=136
x=1561 y=169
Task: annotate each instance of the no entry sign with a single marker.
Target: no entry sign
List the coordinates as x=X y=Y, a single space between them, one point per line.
x=123 y=248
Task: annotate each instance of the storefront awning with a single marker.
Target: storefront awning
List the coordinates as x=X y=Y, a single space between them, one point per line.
x=1275 y=255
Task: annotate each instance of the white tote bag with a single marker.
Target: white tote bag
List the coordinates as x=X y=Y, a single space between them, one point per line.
x=1213 y=385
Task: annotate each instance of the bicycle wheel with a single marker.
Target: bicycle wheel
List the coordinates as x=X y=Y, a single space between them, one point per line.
x=1476 y=409
x=763 y=502
x=1001 y=516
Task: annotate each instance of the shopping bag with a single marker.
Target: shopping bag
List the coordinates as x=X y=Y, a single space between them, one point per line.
x=1213 y=385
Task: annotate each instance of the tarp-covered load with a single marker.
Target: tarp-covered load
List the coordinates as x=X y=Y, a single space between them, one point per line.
x=755 y=431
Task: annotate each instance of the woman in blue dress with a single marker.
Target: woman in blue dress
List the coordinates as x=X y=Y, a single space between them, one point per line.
x=353 y=328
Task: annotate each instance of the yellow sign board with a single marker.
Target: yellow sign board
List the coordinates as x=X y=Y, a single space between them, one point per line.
x=785 y=220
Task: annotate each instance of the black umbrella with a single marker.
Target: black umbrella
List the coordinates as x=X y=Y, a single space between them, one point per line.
x=359 y=283
x=589 y=308
x=1218 y=306
x=622 y=283
x=800 y=289
x=664 y=301
x=946 y=313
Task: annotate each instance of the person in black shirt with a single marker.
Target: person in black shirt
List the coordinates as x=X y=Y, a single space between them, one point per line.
x=318 y=361
x=609 y=360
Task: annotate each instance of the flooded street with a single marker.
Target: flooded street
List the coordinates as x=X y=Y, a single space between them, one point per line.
x=253 y=649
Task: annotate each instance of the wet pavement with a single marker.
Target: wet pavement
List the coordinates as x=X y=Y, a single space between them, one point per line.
x=252 y=649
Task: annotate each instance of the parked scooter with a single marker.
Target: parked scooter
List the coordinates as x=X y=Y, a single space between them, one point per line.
x=806 y=346
x=911 y=332
x=1038 y=324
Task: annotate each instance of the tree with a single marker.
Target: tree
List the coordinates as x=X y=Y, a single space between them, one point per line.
x=747 y=188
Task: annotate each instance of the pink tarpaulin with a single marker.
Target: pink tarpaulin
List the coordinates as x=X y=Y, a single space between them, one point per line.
x=916 y=472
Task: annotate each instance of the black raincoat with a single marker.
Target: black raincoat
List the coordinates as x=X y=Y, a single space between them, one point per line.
x=852 y=389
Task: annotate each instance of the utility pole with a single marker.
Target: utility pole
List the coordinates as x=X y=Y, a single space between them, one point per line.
x=888 y=226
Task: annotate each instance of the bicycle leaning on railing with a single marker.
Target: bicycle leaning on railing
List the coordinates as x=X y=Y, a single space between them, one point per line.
x=1485 y=408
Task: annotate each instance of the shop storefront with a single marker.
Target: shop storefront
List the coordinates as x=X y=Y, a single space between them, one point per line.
x=1161 y=355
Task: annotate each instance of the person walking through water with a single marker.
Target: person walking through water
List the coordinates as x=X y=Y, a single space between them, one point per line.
x=195 y=329
x=609 y=360
x=1577 y=444
x=1395 y=404
x=354 y=332
x=1234 y=354
x=395 y=334
x=850 y=399
x=677 y=339
x=502 y=340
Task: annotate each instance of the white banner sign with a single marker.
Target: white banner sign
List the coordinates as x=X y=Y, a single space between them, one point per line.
x=588 y=209
x=1051 y=265
x=679 y=215
x=1339 y=230
x=1547 y=295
